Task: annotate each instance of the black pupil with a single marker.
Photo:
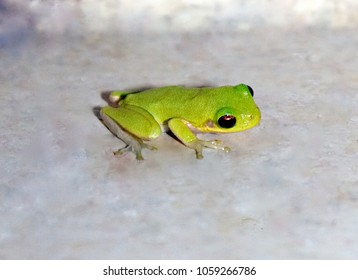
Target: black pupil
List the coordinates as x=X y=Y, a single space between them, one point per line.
x=227 y=121
x=251 y=91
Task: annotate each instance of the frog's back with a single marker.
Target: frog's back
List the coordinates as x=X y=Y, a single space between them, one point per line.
x=162 y=95
x=176 y=101
x=167 y=101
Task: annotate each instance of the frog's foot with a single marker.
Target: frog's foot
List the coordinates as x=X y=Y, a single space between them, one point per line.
x=198 y=146
x=136 y=146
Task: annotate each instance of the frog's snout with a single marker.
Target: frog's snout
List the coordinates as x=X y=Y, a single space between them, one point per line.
x=253 y=119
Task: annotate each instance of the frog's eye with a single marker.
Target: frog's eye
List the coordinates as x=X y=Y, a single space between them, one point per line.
x=227 y=121
x=251 y=90
x=243 y=88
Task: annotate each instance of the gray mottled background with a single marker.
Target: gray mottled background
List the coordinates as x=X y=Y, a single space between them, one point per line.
x=288 y=189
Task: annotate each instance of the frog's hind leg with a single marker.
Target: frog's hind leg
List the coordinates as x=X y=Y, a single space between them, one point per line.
x=133 y=140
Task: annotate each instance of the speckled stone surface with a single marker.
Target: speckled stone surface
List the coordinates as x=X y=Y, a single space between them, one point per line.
x=288 y=189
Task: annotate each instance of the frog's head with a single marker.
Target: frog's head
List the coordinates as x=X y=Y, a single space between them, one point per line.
x=238 y=113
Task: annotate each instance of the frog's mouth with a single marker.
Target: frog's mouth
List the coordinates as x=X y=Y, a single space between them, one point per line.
x=248 y=121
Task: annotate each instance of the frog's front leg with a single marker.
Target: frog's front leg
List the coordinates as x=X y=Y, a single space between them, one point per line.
x=132 y=125
x=188 y=138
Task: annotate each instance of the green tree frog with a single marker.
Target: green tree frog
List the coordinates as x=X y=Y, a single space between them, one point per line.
x=142 y=116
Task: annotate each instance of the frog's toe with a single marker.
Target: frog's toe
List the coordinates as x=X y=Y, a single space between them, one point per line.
x=139 y=156
x=136 y=148
x=121 y=151
x=199 y=154
x=215 y=144
x=149 y=147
